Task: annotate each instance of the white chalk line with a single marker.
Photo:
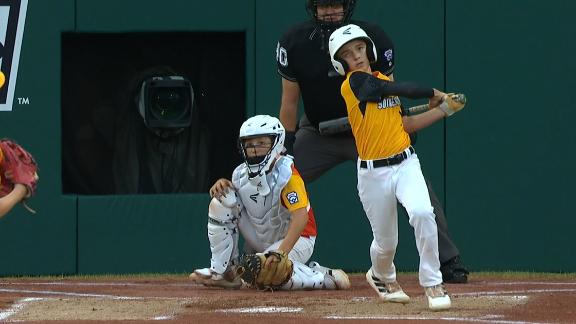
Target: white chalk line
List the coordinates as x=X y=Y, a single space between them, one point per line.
x=262 y=309
x=510 y=283
x=56 y=283
x=148 y=284
x=507 y=292
x=486 y=319
x=16 y=307
x=65 y=293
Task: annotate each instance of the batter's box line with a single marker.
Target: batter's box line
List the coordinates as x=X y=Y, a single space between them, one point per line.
x=64 y=293
x=509 y=292
x=133 y=284
x=544 y=283
x=483 y=319
x=18 y=306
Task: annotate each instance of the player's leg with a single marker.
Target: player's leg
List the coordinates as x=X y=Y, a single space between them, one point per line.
x=223 y=237
x=377 y=196
x=302 y=250
x=314 y=276
x=307 y=278
x=453 y=271
x=412 y=192
x=375 y=188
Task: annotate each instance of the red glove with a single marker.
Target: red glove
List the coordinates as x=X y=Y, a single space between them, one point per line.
x=17 y=166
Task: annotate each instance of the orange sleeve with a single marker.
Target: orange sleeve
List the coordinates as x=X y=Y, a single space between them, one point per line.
x=294 y=196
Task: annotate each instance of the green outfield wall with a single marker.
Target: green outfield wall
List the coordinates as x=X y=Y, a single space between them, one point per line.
x=504 y=167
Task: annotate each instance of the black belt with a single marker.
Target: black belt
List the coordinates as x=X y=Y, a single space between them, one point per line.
x=396 y=159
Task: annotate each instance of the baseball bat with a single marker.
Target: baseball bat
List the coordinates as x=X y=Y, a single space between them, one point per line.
x=417 y=109
x=460 y=97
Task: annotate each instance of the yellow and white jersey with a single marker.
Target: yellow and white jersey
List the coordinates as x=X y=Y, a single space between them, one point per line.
x=377 y=126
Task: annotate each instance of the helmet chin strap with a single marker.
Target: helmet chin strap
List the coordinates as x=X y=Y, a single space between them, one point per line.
x=258 y=179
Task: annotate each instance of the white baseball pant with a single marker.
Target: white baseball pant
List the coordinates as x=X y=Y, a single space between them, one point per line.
x=379 y=189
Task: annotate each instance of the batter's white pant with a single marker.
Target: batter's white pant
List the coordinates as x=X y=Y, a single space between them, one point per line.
x=378 y=189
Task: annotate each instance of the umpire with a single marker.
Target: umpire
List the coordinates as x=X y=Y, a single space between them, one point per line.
x=322 y=138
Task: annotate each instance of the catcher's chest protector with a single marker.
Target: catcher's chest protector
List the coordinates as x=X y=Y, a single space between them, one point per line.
x=265 y=213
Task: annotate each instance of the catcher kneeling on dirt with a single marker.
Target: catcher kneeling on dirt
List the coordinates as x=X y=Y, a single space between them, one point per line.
x=267 y=203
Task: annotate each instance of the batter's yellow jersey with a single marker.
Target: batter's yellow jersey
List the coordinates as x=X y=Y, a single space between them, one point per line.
x=377 y=126
x=294 y=196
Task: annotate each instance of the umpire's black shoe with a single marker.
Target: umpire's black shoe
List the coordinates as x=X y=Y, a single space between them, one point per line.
x=454 y=271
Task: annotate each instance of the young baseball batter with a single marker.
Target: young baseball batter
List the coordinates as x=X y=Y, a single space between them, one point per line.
x=388 y=168
x=267 y=203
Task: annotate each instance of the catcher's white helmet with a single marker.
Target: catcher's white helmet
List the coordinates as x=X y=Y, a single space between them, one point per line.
x=257 y=126
x=343 y=35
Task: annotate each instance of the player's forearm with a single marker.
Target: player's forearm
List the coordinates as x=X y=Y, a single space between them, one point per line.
x=417 y=122
x=289 y=105
x=289 y=116
x=10 y=200
x=297 y=225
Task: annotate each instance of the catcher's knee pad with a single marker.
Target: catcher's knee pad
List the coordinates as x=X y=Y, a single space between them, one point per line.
x=304 y=278
x=223 y=236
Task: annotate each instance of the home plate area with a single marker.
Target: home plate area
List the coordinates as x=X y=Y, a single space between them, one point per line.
x=174 y=299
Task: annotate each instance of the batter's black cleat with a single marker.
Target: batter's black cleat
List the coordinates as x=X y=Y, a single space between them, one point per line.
x=454 y=271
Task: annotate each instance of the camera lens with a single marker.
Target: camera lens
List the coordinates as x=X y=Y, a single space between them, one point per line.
x=169 y=103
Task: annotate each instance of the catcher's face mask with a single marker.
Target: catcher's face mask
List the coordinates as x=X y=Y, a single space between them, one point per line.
x=261 y=140
x=257 y=149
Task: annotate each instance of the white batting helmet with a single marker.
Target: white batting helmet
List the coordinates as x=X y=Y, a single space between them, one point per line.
x=262 y=125
x=343 y=35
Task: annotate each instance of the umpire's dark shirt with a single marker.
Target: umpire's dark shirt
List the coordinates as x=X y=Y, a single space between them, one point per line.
x=304 y=59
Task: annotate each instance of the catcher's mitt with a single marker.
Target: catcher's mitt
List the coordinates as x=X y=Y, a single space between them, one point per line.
x=17 y=166
x=273 y=277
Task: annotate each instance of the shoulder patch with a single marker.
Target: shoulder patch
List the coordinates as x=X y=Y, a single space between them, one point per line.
x=292 y=197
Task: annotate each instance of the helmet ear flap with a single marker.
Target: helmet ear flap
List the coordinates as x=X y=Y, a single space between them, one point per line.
x=371 y=51
x=240 y=147
x=343 y=63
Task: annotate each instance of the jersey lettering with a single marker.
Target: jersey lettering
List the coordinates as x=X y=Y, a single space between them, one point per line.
x=281 y=55
x=389 y=102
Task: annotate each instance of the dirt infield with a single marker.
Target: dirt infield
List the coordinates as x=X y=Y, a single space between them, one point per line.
x=174 y=299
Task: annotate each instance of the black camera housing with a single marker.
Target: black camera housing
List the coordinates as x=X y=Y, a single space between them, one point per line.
x=166 y=102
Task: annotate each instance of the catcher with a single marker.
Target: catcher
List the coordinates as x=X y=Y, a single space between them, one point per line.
x=18 y=175
x=266 y=202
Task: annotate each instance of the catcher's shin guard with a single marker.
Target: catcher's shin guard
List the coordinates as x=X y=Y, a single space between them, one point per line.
x=223 y=236
x=304 y=278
